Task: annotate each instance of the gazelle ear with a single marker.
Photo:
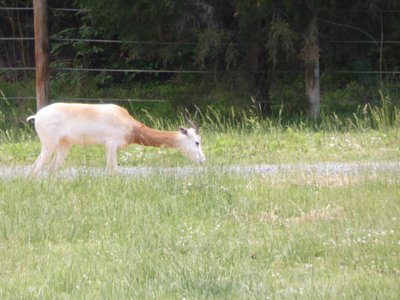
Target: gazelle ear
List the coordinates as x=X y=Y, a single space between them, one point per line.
x=183 y=130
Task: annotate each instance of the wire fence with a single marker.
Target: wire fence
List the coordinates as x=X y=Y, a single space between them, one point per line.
x=159 y=71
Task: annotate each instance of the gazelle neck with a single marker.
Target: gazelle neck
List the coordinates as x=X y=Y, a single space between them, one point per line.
x=147 y=136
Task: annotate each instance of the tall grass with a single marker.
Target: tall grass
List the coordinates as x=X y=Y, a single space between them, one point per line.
x=12 y=126
x=377 y=117
x=385 y=116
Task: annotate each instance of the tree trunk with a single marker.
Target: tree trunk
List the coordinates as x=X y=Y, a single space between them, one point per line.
x=311 y=64
x=262 y=94
x=261 y=83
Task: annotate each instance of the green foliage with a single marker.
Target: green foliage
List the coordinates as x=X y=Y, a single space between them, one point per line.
x=281 y=37
x=239 y=42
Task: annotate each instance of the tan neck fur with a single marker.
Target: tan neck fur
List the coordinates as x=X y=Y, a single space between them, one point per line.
x=151 y=137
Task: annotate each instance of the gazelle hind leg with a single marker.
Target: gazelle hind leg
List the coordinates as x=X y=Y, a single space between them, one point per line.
x=44 y=156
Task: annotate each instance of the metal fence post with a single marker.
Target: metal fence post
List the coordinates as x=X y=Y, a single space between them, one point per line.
x=41 y=53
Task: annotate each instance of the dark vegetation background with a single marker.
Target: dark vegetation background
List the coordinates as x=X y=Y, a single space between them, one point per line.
x=242 y=55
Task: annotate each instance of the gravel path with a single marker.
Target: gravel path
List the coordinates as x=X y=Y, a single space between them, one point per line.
x=325 y=168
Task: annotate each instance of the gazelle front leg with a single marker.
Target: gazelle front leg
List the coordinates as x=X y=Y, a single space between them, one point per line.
x=111 y=156
x=61 y=153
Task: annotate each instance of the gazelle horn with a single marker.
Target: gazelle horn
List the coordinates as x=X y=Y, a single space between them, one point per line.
x=193 y=124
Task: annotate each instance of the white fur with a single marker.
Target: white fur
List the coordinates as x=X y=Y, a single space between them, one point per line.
x=60 y=125
x=190 y=145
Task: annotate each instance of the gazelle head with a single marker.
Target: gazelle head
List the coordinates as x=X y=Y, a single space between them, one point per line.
x=190 y=142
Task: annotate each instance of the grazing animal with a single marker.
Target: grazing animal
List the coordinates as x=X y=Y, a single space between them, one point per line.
x=60 y=125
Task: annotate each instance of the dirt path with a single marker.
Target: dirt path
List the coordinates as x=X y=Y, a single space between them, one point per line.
x=324 y=168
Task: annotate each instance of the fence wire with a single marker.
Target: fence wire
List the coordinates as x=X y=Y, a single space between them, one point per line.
x=160 y=71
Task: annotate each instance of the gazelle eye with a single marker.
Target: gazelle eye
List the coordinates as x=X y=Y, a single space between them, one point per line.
x=197 y=143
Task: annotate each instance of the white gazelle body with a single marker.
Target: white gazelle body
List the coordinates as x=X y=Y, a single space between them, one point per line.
x=61 y=125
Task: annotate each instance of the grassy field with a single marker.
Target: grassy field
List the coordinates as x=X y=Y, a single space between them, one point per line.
x=210 y=235
x=294 y=236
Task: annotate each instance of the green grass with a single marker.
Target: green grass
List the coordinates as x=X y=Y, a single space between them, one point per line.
x=201 y=236
x=230 y=147
x=209 y=235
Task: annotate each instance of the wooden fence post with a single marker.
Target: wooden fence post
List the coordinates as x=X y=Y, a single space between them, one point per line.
x=41 y=53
